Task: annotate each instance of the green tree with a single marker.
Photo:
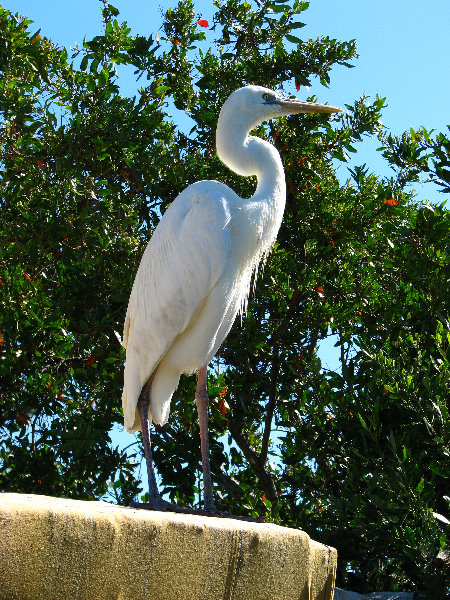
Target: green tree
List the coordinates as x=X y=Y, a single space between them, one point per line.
x=360 y=456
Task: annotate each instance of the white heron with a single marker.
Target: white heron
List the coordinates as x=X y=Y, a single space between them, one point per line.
x=195 y=274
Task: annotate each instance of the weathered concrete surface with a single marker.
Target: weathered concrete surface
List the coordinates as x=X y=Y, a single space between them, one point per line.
x=56 y=549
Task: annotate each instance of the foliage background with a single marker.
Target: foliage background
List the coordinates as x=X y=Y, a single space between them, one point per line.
x=360 y=458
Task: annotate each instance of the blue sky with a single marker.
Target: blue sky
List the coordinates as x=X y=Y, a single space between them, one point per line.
x=404 y=49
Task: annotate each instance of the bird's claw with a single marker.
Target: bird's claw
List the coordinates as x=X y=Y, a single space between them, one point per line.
x=159 y=504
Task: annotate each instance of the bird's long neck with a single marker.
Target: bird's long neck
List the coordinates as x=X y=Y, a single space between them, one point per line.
x=248 y=155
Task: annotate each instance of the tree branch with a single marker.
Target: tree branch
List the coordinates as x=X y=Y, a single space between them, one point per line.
x=231 y=486
x=253 y=459
x=271 y=404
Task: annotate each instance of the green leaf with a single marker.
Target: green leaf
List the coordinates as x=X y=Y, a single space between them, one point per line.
x=34 y=126
x=267 y=503
x=362 y=421
x=94 y=65
x=84 y=62
x=292 y=38
x=420 y=485
x=161 y=89
x=113 y=10
x=103 y=76
x=302 y=79
x=276 y=8
x=205 y=83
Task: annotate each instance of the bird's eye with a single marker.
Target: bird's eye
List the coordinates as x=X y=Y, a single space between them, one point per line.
x=266 y=97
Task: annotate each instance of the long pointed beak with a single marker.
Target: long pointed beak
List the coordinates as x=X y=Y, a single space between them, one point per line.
x=292 y=106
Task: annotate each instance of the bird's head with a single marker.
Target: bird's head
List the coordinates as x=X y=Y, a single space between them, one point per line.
x=254 y=104
x=242 y=111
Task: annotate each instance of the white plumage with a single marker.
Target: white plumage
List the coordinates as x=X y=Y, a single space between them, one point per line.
x=195 y=273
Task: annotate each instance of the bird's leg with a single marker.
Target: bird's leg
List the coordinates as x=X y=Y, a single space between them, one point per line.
x=202 y=402
x=155 y=501
x=143 y=405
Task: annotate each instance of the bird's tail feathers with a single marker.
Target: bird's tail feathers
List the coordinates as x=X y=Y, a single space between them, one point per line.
x=163 y=384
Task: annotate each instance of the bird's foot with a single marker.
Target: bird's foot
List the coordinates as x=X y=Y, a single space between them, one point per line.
x=159 y=504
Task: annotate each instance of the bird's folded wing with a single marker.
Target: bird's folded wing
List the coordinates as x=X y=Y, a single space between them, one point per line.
x=180 y=266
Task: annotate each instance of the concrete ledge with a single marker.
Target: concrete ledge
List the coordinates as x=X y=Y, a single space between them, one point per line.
x=52 y=549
